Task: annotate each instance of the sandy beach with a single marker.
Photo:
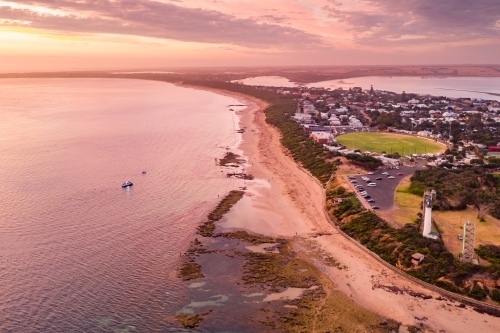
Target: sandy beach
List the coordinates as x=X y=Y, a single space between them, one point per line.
x=285 y=201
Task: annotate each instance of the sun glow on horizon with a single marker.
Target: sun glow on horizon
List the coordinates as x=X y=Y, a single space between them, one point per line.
x=243 y=32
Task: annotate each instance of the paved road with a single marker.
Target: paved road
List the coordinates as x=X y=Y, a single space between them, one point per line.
x=383 y=193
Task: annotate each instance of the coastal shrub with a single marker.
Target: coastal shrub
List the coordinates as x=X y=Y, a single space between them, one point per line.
x=448 y=286
x=458 y=188
x=495 y=295
x=365 y=161
x=348 y=207
x=478 y=292
x=398 y=245
x=489 y=252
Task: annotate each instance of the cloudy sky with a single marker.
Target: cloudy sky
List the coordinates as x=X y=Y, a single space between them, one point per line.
x=134 y=34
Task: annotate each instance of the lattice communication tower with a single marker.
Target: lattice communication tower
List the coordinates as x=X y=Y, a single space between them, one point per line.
x=468 y=241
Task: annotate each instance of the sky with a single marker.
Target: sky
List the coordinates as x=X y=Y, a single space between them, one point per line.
x=51 y=35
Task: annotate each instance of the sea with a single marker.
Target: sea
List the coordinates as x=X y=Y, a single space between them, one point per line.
x=79 y=253
x=487 y=88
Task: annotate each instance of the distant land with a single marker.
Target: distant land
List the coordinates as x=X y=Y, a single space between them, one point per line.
x=298 y=74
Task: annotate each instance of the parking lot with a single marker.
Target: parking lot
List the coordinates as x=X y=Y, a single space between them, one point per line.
x=383 y=193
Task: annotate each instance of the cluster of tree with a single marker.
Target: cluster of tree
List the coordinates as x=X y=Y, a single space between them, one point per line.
x=456 y=189
x=385 y=120
x=365 y=161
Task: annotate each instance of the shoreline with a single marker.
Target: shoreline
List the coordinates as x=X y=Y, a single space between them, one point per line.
x=283 y=208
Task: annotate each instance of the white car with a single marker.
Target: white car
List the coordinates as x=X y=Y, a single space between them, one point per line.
x=370 y=173
x=385 y=173
x=391 y=177
x=372 y=184
x=363 y=193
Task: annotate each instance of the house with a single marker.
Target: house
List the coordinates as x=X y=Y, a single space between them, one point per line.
x=320 y=137
x=424 y=133
x=417 y=258
x=302 y=117
x=339 y=200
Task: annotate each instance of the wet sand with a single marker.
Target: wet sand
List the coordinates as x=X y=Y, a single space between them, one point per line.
x=286 y=201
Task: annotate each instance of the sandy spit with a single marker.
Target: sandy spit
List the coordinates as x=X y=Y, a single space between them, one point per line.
x=285 y=200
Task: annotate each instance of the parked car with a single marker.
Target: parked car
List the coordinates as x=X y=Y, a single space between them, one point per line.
x=370 y=173
x=400 y=173
x=375 y=207
x=460 y=237
x=391 y=177
x=371 y=200
x=372 y=184
x=378 y=178
x=385 y=173
x=366 y=197
x=354 y=181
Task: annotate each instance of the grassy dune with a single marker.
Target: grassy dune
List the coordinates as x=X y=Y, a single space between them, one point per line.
x=390 y=142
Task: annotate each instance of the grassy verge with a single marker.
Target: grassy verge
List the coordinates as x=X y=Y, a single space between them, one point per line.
x=408 y=207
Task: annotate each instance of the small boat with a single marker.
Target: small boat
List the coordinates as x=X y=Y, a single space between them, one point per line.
x=127 y=184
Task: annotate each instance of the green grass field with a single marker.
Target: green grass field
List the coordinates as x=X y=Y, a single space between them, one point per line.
x=390 y=143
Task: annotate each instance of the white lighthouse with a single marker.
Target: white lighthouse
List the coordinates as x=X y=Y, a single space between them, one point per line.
x=428 y=196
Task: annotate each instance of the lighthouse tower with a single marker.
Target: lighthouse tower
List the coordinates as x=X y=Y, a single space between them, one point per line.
x=427 y=216
x=428 y=196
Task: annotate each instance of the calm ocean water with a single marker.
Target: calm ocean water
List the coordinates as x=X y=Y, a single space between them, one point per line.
x=77 y=252
x=455 y=87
